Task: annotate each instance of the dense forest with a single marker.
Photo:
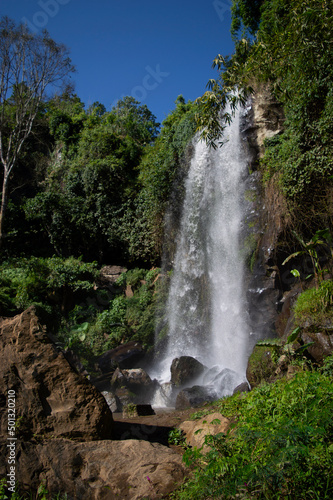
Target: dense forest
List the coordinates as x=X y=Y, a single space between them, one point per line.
x=91 y=187
x=88 y=188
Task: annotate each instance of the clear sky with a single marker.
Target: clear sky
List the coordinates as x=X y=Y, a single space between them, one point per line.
x=149 y=49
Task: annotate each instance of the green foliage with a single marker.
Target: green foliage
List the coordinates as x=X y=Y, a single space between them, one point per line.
x=177 y=437
x=245 y=13
x=281 y=446
x=314 y=305
x=48 y=283
x=90 y=333
x=291 y=51
x=262 y=362
x=91 y=195
x=327 y=368
x=321 y=239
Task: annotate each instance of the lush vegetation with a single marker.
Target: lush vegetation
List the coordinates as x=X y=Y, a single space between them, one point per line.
x=97 y=183
x=288 y=46
x=41 y=494
x=106 y=320
x=72 y=301
x=88 y=187
x=280 y=447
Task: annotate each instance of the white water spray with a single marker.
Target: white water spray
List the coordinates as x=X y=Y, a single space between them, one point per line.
x=206 y=307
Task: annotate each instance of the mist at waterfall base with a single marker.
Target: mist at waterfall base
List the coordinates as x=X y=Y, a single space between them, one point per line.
x=206 y=308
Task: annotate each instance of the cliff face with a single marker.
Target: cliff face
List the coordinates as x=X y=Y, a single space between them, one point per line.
x=263 y=120
x=267 y=117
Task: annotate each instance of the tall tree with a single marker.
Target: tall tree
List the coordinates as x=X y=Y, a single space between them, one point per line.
x=29 y=66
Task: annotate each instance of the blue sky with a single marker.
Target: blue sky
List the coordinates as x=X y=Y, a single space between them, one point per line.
x=151 y=50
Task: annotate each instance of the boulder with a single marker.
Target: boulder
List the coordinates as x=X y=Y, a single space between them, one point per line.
x=137 y=381
x=132 y=410
x=195 y=396
x=113 y=401
x=123 y=356
x=243 y=387
x=103 y=470
x=110 y=274
x=185 y=370
x=197 y=430
x=322 y=343
x=51 y=398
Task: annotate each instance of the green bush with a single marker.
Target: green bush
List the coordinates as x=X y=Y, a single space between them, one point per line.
x=314 y=306
x=281 y=446
x=123 y=319
x=49 y=283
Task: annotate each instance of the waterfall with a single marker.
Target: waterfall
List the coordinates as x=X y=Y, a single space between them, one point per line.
x=206 y=308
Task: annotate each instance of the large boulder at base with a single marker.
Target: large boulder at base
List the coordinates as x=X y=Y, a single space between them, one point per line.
x=193 y=397
x=137 y=381
x=51 y=398
x=185 y=370
x=103 y=470
x=123 y=356
x=196 y=430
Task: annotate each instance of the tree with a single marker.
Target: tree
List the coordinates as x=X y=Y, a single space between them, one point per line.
x=246 y=14
x=29 y=65
x=137 y=121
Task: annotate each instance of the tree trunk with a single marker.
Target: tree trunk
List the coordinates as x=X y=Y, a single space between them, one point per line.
x=3 y=205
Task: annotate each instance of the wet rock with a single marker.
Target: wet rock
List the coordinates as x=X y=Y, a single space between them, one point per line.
x=52 y=399
x=185 y=369
x=193 y=397
x=225 y=382
x=243 y=387
x=124 y=356
x=137 y=381
x=124 y=397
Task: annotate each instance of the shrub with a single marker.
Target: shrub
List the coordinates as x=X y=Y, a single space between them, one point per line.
x=281 y=447
x=315 y=305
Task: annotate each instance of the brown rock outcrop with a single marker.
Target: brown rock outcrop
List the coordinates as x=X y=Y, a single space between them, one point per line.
x=268 y=115
x=100 y=470
x=197 y=430
x=51 y=398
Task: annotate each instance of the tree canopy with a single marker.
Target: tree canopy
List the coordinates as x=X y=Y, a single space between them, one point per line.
x=29 y=66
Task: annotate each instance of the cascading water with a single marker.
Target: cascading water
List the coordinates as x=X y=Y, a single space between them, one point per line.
x=206 y=307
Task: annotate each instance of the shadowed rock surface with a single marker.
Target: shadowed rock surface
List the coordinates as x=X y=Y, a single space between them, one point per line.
x=51 y=398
